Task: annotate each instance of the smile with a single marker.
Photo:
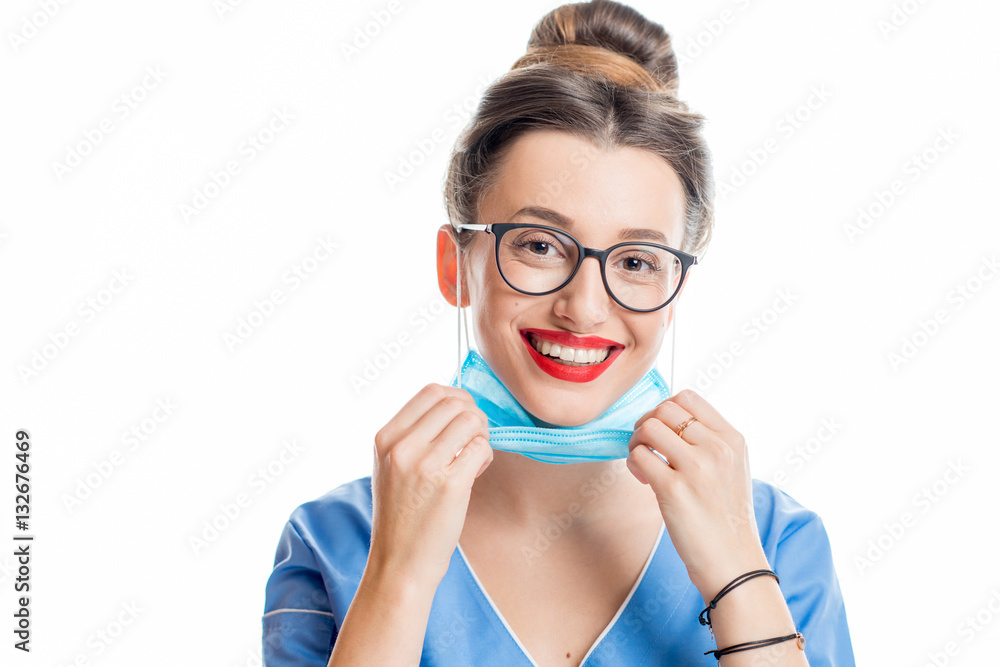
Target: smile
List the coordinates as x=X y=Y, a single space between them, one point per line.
x=568 y=357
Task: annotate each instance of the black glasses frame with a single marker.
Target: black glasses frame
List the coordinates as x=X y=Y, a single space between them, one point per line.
x=499 y=229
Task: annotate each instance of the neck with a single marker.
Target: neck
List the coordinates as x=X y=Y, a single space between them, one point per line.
x=522 y=493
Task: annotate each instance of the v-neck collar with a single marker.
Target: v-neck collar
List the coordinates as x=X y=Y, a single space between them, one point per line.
x=607 y=628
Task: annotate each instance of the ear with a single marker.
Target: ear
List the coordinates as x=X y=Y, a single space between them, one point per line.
x=447 y=265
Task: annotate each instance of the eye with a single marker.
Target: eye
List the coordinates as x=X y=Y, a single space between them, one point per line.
x=538 y=247
x=638 y=262
x=539 y=244
x=633 y=263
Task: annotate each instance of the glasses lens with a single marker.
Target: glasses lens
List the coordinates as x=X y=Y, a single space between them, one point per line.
x=536 y=260
x=643 y=276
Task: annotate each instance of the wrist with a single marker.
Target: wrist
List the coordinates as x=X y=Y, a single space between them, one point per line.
x=721 y=571
x=398 y=579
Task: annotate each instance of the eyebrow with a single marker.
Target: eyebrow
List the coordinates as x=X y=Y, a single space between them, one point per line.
x=561 y=220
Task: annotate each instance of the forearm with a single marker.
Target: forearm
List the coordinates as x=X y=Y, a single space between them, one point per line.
x=386 y=622
x=754 y=610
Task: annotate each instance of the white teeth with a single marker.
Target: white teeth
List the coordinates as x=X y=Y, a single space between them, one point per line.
x=570 y=355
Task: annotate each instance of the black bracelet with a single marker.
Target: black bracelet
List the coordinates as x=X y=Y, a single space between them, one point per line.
x=703 y=617
x=746 y=646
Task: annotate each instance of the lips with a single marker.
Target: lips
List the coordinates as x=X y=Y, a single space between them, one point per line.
x=596 y=353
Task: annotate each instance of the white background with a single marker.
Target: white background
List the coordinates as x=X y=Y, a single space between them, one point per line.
x=162 y=335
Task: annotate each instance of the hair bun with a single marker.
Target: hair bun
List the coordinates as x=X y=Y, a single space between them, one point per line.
x=606 y=38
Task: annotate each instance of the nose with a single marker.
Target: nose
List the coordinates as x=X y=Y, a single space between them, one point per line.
x=584 y=302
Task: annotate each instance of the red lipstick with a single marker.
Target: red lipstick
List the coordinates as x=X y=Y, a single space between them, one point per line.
x=571 y=373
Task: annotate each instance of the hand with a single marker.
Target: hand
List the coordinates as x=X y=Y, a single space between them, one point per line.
x=704 y=489
x=426 y=460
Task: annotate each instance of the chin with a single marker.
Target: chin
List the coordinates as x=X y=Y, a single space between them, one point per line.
x=551 y=410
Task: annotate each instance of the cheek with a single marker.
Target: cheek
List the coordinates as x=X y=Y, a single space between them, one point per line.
x=648 y=333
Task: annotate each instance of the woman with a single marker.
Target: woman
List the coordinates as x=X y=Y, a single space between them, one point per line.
x=556 y=505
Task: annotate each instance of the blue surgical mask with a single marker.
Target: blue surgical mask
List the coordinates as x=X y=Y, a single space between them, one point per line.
x=513 y=430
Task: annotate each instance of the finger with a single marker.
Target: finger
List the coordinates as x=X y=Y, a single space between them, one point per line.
x=656 y=435
x=695 y=404
x=673 y=415
x=461 y=430
x=430 y=425
x=651 y=468
x=475 y=456
x=422 y=402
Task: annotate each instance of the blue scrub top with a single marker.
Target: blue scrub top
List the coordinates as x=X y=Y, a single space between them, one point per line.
x=324 y=546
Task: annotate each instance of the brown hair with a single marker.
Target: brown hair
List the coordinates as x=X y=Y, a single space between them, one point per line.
x=603 y=72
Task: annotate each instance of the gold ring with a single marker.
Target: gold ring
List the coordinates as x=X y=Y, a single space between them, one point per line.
x=680 y=429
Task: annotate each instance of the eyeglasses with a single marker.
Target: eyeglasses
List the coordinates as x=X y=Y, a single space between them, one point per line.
x=539 y=260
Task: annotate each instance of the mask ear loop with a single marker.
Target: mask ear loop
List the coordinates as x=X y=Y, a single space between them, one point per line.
x=458 y=303
x=461 y=311
x=673 y=348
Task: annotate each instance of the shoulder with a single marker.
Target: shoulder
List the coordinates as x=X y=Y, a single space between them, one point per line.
x=796 y=544
x=353 y=499
x=337 y=523
x=779 y=515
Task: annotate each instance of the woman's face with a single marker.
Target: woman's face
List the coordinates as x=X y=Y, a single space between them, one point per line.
x=600 y=194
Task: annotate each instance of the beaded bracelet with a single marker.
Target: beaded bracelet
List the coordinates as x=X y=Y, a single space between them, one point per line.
x=746 y=646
